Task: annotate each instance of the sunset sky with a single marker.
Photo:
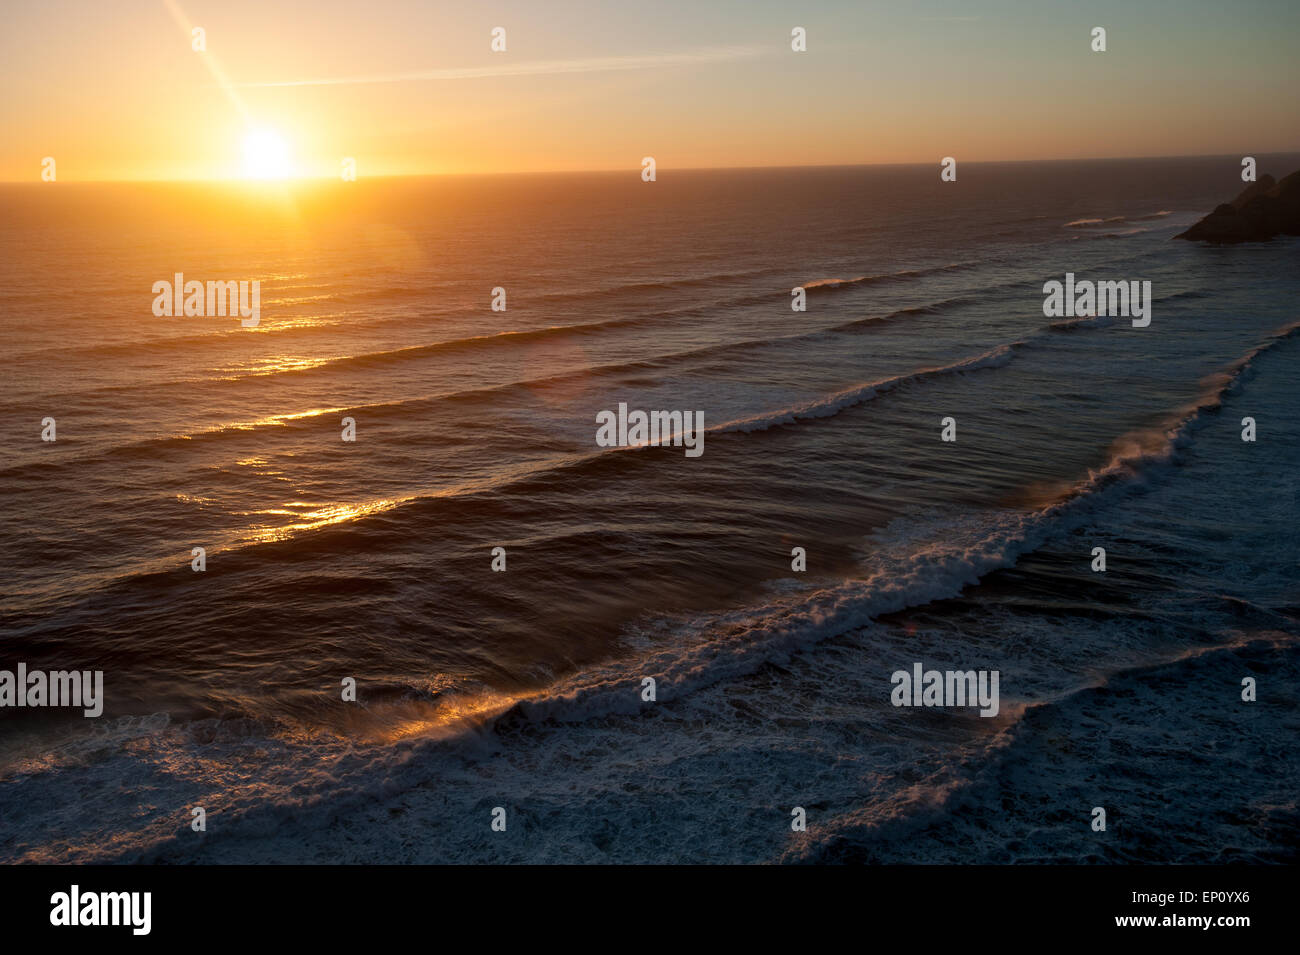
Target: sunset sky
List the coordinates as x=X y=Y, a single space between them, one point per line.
x=114 y=90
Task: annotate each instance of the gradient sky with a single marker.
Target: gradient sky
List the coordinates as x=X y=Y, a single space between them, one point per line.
x=112 y=89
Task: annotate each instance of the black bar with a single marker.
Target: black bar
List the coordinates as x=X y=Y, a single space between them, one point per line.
x=945 y=904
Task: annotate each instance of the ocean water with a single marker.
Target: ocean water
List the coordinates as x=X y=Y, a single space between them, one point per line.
x=476 y=429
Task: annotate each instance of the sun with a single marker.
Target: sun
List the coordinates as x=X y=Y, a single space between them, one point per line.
x=266 y=155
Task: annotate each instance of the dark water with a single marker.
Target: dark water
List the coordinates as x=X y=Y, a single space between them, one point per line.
x=475 y=429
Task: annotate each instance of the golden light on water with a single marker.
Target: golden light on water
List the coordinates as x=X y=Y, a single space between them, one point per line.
x=447 y=716
x=275 y=364
x=321 y=517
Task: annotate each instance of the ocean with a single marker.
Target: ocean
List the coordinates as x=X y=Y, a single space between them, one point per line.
x=372 y=560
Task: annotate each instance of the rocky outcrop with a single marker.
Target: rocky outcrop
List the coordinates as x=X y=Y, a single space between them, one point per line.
x=1264 y=209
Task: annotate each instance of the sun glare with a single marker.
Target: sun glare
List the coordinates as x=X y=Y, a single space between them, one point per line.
x=266 y=155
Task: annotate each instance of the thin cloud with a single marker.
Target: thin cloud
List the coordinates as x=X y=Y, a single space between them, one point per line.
x=535 y=68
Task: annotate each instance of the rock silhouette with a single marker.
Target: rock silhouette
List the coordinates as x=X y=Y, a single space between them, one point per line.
x=1263 y=210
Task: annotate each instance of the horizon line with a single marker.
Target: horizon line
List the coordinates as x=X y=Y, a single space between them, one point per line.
x=289 y=180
